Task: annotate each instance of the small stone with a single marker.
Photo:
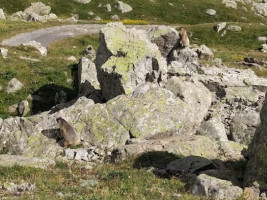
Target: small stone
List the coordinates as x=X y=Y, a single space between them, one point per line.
x=262 y=39
x=2 y=14
x=220 y=26
x=115 y=17
x=171 y=4
x=123 y=7
x=97 y=18
x=108 y=7
x=23 y=108
x=13 y=86
x=234 y=28
x=264 y=48
x=90 y=13
x=210 y=12
x=69 y=153
x=72 y=58
x=3 y=51
x=38 y=46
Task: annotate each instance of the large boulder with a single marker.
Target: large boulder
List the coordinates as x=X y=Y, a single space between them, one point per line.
x=166 y=38
x=215 y=188
x=260 y=9
x=125 y=59
x=256 y=168
x=38 y=8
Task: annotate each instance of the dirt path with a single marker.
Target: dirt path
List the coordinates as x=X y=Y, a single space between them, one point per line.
x=48 y=35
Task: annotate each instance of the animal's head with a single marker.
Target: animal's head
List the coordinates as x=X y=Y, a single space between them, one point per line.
x=60 y=120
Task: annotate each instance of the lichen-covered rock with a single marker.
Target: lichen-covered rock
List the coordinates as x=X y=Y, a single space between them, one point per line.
x=215 y=188
x=12 y=160
x=166 y=38
x=38 y=46
x=39 y=8
x=125 y=59
x=87 y=77
x=182 y=145
x=13 y=86
x=213 y=128
x=204 y=52
x=243 y=126
x=257 y=164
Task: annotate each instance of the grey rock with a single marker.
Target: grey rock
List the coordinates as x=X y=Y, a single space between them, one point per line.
x=52 y=16
x=123 y=7
x=190 y=164
x=215 y=188
x=38 y=8
x=115 y=17
x=81 y=154
x=122 y=69
x=2 y=14
x=3 y=52
x=213 y=128
x=23 y=108
x=1 y=122
x=90 y=13
x=234 y=28
x=260 y=9
x=90 y=52
x=18 y=16
x=262 y=38
x=83 y=1
x=97 y=18
x=13 y=86
x=220 y=26
x=204 y=52
x=87 y=77
x=108 y=7
x=243 y=126
x=210 y=12
x=264 y=48
x=72 y=58
x=12 y=160
x=69 y=153
x=230 y=4
x=166 y=38
x=42 y=50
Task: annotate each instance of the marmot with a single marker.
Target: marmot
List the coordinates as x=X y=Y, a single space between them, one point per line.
x=67 y=132
x=184 y=40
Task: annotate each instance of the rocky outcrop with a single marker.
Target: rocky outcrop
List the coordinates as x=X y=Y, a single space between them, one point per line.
x=256 y=168
x=215 y=188
x=166 y=38
x=126 y=59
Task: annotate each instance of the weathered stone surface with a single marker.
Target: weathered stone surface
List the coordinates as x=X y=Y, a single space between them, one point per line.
x=243 y=126
x=2 y=14
x=42 y=50
x=215 y=188
x=90 y=52
x=11 y=160
x=211 y=12
x=204 y=52
x=230 y=4
x=220 y=26
x=39 y=8
x=108 y=7
x=189 y=164
x=123 y=7
x=264 y=48
x=126 y=59
x=18 y=16
x=166 y=38
x=23 y=108
x=3 y=52
x=115 y=17
x=251 y=193
x=9 y=188
x=256 y=168
x=234 y=28
x=13 y=86
x=183 y=145
x=87 y=77
x=213 y=128
x=260 y=9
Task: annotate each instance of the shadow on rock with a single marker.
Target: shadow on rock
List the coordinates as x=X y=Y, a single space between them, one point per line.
x=53 y=134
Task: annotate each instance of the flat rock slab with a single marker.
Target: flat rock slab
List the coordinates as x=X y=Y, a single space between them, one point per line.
x=11 y=160
x=48 y=35
x=190 y=164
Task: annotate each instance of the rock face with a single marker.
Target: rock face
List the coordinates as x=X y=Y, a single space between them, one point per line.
x=257 y=154
x=13 y=86
x=166 y=38
x=126 y=59
x=123 y=7
x=215 y=188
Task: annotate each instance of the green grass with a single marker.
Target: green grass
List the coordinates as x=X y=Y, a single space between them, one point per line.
x=46 y=77
x=116 y=182
x=183 y=12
